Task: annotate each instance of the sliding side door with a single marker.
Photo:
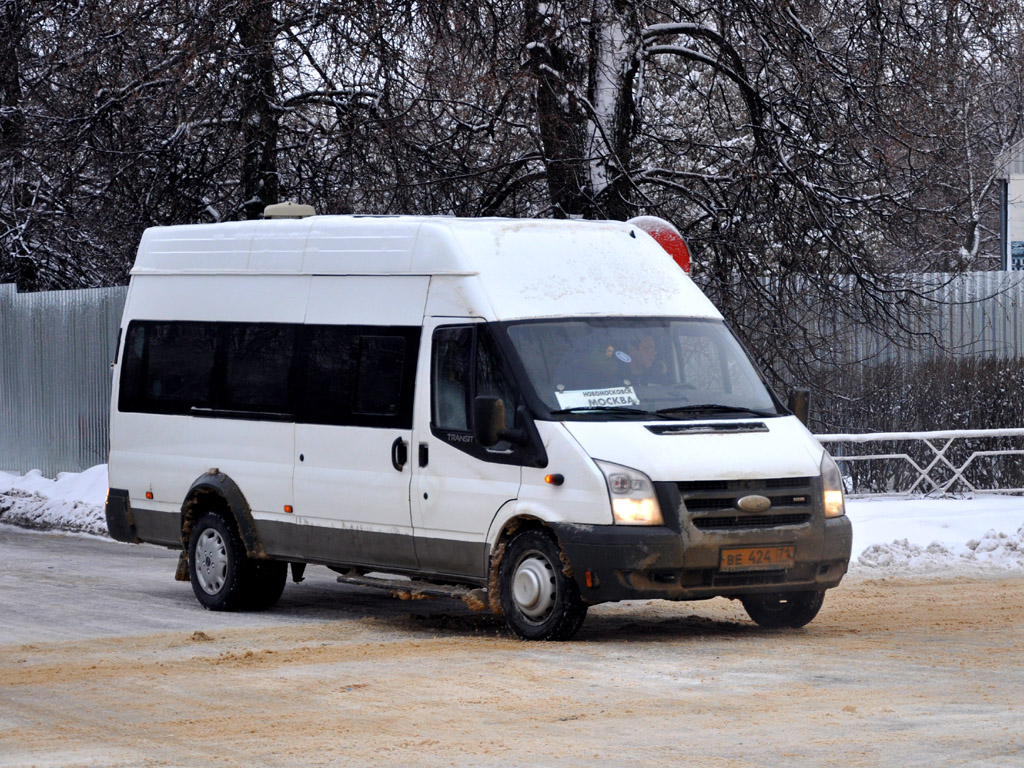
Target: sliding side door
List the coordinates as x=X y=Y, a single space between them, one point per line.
x=352 y=475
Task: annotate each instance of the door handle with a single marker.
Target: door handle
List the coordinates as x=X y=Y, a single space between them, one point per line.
x=424 y=454
x=399 y=453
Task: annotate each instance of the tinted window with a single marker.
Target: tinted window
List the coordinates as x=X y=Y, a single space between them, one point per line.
x=359 y=375
x=330 y=370
x=257 y=368
x=452 y=386
x=379 y=379
x=168 y=367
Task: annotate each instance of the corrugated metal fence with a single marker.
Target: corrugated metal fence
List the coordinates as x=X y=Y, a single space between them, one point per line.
x=980 y=314
x=55 y=354
x=56 y=348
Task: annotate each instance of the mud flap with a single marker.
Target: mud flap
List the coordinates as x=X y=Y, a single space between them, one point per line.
x=181 y=574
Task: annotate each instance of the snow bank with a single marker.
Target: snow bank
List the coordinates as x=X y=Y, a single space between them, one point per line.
x=993 y=551
x=931 y=536
x=891 y=536
x=72 y=502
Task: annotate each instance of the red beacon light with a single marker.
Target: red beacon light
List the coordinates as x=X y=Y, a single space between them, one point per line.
x=667 y=236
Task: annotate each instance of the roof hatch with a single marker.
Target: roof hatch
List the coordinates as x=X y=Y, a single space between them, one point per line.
x=288 y=210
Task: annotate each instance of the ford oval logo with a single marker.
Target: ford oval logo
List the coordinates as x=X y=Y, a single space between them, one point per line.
x=754 y=503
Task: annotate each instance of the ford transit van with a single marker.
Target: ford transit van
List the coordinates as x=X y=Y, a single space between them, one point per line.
x=538 y=416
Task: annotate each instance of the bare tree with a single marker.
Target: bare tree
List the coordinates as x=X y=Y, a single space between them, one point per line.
x=792 y=143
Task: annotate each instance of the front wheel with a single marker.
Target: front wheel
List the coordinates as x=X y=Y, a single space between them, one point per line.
x=786 y=609
x=538 y=600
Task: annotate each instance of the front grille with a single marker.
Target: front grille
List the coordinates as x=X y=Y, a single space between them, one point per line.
x=788 y=482
x=694 y=486
x=704 y=498
x=708 y=429
x=709 y=505
x=749 y=521
x=803 y=500
x=745 y=486
x=715 y=504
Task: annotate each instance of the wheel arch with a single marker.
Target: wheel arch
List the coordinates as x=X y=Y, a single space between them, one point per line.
x=215 y=491
x=505 y=532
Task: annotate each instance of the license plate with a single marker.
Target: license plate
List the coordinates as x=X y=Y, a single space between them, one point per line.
x=757 y=558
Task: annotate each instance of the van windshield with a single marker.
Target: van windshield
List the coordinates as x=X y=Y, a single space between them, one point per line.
x=640 y=368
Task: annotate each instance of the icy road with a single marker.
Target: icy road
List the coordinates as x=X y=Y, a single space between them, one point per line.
x=106 y=661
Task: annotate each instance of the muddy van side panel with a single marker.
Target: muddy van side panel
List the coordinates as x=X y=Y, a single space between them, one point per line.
x=163 y=453
x=264 y=273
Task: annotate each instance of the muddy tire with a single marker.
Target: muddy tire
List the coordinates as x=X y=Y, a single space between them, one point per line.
x=268 y=584
x=786 y=609
x=538 y=600
x=222 y=575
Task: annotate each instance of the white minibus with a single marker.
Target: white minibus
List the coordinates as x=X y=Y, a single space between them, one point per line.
x=538 y=416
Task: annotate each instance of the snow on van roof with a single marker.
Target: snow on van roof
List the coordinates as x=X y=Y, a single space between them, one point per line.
x=525 y=267
x=549 y=268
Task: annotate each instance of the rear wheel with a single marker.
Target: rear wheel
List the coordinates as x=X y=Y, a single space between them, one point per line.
x=222 y=575
x=538 y=600
x=269 y=579
x=785 y=609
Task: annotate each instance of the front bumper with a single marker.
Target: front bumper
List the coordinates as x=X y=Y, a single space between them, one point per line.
x=612 y=563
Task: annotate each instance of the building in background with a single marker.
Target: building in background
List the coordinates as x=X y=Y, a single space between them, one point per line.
x=1010 y=168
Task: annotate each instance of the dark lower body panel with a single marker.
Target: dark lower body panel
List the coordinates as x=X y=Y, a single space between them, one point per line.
x=335 y=547
x=135 y=525
x=610 y=563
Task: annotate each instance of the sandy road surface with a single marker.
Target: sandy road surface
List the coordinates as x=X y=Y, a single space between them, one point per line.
x=104 y=660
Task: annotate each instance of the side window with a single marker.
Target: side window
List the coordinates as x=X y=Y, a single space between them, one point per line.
x=380 y=375
x=348 y=375
x=168 y=367
x=329 y=372
x=491 y=380
x=359 y=376
x=465 y=365
x=257 y=368
x=132 y=369
x=451 y=383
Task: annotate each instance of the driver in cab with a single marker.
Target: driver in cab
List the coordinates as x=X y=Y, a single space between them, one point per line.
x=638 y=364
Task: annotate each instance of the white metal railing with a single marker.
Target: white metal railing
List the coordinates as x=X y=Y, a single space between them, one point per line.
x=937 y=474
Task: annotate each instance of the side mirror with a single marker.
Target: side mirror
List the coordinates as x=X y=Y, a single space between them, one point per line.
x=800 y=403
x=488 y=420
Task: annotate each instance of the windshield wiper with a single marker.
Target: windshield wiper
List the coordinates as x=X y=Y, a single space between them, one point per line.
x=713 y=408
x=609 y=409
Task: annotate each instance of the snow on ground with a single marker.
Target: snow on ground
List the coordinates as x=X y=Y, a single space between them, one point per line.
x=891 y=536
x=895 y=535
x=72 y=502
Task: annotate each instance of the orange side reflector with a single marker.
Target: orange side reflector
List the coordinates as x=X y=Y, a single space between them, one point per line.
x=590 y=579
x=149 y=494
x=288 y=508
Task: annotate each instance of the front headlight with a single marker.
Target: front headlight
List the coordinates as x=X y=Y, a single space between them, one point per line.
x=632 y=495
x=832 y=487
